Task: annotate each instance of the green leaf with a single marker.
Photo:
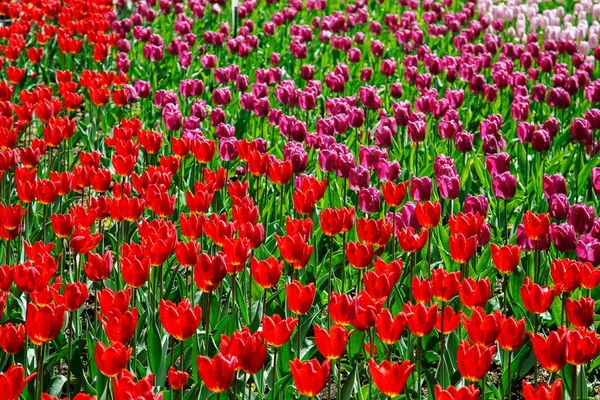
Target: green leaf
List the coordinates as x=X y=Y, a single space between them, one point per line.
x=349 y=384
x=56 y=385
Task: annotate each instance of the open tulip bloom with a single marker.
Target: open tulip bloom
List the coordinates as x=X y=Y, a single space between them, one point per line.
x=299 y=199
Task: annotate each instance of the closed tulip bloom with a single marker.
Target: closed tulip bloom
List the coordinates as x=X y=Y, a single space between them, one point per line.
x=218 y=373
x=43 y=324
x=566 y=274
x=462 y=248
x=445 y=284
x=210 y=270
x=474 y=293
x=62 y=225
x=393 y=194
x=451 y=320
x=369 y=200
x=410 y=241
x=420 y=188
x=112 y=360
x=177 y=379
x=120 y=327
x=12 y=339
x=74 y=296
x=421 y=319
x=474 y=360
x=536 y=226
x=359 y=255
x=428 y=214
x=187 y=253
x=310 y=377
x=250 y=349
x=277 y=331
x=180 y=321
x=291 y=247
x=506 y=258
x=342 y=308
x=332 y=344
x=582 y=346
x=422 y=290
x=331 y=223
x=390 y=378
x=542 y=391
x=390 y=329
x=266 y=272
x=451 y=393
x=563 y=237
x=299 y=297
x=110 y=301
x=551 y=352
x=13 y=382
x=98 y=267
x=536 y=299
x=580 y=312
x=483 y=329
x=512 y=334
x=504 y=185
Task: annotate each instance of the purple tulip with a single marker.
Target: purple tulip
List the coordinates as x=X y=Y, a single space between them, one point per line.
x=476 y=204
x=563 y=237
x=581 y=216
x=359 y=178
x=588 y=250
x=369 y=200
x=504 y=185
x=420 y=188
x=554 y=184
x=559 y=206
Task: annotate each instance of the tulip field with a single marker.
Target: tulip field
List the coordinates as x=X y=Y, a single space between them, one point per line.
x=288 y=199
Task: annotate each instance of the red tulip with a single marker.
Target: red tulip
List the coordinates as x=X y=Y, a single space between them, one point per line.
x=483 y=329
x=452 y=393
x=266 y=272
x=582 y=346
x=511 y=334
x=111 y=360
x=277 y=331
x=542 y=391
x=359 y=255
x=43 y=324
x=249 y=349
x=180 y=321
x=310 y=376
x=551 y=352
x=445 y=284
x=342 y=308
x=421 y=319
x=217 y=374
x=177 y=379
x=451 y=320
x=332 y=344
x=120 y=327
x=474 y=293
x=580 y=312
x=536 y=299
x=536 y=226
x=428 y=214
x=299 y=298
x=12 y=339
x=393 y=195
x=462 y=248
x=13 y=382
x=410 y=241
x=474 y=361
x=390 y=378
x=422 y=290
x=390 y=329
x=98 y=267
x=506 y=258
